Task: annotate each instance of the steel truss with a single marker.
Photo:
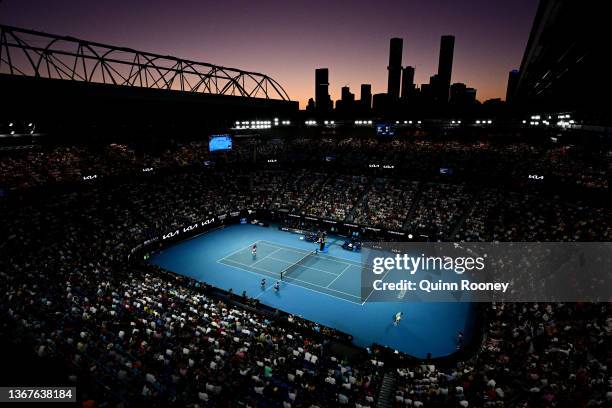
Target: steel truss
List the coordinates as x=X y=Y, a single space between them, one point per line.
x=36 y=54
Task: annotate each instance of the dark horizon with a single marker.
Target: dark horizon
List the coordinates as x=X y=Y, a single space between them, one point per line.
x=288 y=43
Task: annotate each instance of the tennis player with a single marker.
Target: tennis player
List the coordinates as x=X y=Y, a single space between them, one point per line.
x=277 y=286
x=254 y=250
x=263 y=283
x=397 y=318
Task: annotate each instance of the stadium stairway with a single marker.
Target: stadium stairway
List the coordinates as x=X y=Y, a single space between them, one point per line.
x=359 y=201
x=413 y=206
x=474 y=206
x=386 y=397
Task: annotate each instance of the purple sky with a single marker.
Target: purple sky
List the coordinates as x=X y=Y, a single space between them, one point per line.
x=289 y=39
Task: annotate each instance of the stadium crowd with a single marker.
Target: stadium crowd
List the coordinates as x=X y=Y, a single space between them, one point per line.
x=540 y=355
x=476 y=161
x=154 y=338
x=134 y=333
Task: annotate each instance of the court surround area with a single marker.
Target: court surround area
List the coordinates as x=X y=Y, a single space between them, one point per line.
x=323 y=287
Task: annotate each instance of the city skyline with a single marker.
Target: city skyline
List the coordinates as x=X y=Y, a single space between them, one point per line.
x=289 y=42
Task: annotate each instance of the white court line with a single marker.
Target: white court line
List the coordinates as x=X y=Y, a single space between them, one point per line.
x=304 y=266
x=241 y=249
x=266 y=256
x=299 y=250
x=295 y=279
x=267 y=243
x=372 y=291
x=344 y=270
x=293 y=284
x=264 y=291
x=330 y=257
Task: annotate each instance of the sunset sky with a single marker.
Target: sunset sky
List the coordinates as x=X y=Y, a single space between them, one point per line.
x=289 y=39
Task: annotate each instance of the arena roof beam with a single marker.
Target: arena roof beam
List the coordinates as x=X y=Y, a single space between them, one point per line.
x=37 y=54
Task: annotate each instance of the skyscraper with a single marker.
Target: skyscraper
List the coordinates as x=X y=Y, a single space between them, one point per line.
x=458 y=94
x=310 y=107
x=407 y=82
x=513 y=78
x=366 y=96
x=470 y=94
x=347 y=95
x=394 y=68
x=322 y=99
x=445 y=67
x=346 y=105
x=380 y=103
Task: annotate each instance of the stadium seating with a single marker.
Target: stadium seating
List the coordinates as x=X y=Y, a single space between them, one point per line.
x=158 y=339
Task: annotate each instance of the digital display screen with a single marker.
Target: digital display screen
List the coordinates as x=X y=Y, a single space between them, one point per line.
x=384 y=129
x=220 y=142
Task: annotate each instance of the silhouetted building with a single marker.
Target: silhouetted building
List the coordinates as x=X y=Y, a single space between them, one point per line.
x=461 y=97
x=346 y=95
x=513 y=78
x=470 y=95
x=565 y=66
x=407 y=82
x=394 y=68
x=346 y=104
x=445 y=67
x=366 y=96
x=426 y=92
x=492 y=107
x=494 y=103
x=311 y=105
x=322 y=99
x=380 y=103
x=458 y=93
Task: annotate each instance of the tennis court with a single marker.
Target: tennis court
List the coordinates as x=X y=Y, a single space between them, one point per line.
x=315 y=271
x=325 y=288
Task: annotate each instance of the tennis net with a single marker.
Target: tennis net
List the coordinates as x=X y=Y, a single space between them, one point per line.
x=292 y=268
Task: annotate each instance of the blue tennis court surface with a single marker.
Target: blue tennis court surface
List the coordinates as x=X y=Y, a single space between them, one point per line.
x=315 y=271
x=323 y=287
